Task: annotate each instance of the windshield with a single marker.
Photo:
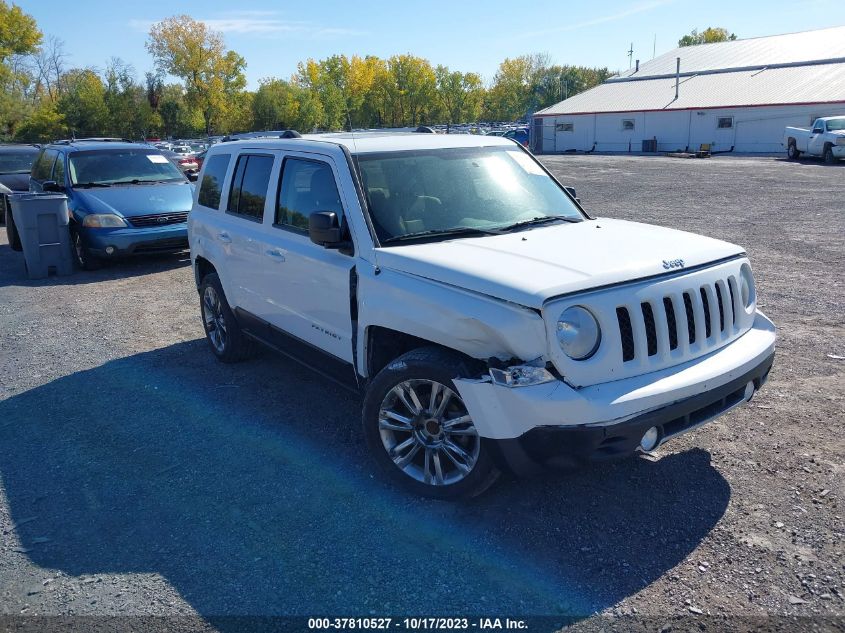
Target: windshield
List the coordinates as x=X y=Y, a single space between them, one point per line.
x=481 y=189
x=18 y=162
x=112 y=166
x=836 y=125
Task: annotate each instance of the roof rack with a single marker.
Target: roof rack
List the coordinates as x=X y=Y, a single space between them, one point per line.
x=92 y=139
x=244 y=136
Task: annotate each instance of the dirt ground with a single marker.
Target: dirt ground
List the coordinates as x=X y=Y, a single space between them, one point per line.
x=138 y=476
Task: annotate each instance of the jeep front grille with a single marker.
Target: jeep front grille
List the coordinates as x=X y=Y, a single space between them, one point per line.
x=657 y=323
x=697 y=314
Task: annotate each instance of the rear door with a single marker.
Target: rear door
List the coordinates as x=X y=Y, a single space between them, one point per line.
x=238 y=231
x=305 y=288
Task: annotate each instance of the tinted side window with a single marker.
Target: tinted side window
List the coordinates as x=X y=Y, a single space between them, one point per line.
x=44 y=165
x=306 y=187
x=249 y=185
x=59 y=170
x=213 y=176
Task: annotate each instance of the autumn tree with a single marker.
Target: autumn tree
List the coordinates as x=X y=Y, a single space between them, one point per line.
x=213 y=76
x=19 y=38
x=709 y=35
x=460 y=94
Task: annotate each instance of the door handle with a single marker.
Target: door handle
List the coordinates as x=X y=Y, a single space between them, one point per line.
x=275 y=254
x=224 y=237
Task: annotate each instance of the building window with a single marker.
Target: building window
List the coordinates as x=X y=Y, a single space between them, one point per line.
x=725 y=123
x=627 y=125
x=565 y=127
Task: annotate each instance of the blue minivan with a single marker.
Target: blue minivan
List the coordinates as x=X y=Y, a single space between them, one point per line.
x=124 y=198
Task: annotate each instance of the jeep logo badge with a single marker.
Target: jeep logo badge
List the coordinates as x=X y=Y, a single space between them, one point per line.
x=675 y=263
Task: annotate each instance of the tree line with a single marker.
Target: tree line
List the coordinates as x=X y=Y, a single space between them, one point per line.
x=198 y=87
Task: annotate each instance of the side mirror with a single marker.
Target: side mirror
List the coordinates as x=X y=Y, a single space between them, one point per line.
x=818 y=130
x=571 y=192
x=52 y=186
x=192 y=175
x=324 y=229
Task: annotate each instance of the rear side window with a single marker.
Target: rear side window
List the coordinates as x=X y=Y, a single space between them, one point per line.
x=59 y=170
x=249 y=185
x=211 y=187
x=44 y=165
x=307 y=187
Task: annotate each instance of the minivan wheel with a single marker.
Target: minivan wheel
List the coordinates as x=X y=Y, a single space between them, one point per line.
x=224 y=335
x=419 y=430
x=83 y=258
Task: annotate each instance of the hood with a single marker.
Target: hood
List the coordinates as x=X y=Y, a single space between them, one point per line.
x=15 y=182
x=529 y=267
x=129 y=200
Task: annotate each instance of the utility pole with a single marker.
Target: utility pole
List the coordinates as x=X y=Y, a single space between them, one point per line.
x=630 y=55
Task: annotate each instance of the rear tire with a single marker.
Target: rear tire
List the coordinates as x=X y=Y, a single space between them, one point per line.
x=225 y=337
x=792 y=152
x=419 y=430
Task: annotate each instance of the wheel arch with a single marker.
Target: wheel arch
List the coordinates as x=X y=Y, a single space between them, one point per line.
x=202 y=268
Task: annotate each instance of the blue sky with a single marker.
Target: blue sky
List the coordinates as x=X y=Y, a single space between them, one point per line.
x=468 y=36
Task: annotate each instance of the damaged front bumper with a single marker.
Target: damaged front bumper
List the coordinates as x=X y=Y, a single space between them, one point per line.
x=555 y=425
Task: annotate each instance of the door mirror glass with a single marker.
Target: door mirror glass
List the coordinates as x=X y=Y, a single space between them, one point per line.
x=52 y=186
x=818 y=130
x=324 y=229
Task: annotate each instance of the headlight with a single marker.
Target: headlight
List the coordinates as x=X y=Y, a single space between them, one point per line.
x=747 y=292
x=578 y=333
x=103 y=221
x=840 y=140
x=521 y=376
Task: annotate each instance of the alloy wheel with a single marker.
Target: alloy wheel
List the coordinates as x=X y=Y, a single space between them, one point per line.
x=213 y=319
x=428 y=432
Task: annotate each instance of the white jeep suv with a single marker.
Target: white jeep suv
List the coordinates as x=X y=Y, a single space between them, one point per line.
x=489 y=322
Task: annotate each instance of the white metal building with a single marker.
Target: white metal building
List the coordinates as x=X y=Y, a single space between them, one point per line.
x=735 y=95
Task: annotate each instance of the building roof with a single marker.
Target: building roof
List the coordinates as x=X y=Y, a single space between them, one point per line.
x=788 y=69
x=792 y=48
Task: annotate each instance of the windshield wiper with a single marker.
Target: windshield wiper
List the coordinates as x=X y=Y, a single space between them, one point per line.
x=543 y=219
x=458 y=230
x=88 y=185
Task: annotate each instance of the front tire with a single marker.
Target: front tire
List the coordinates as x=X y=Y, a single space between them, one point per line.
x=225 y=337
x=792 y=152
x=419 y=431
x=828 y=156
x=82 y=256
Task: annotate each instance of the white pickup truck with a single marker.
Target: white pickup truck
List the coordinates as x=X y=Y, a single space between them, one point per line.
x=826 y=139
x=488 y=321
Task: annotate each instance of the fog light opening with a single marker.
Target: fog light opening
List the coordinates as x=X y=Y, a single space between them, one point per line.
x=110 y=250
x=650 y=439
x=749 y=390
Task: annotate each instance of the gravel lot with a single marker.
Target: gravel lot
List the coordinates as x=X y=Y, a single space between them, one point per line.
x=138 y=476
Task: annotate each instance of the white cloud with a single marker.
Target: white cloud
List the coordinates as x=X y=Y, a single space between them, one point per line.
x=612 y=17
x=262 y=23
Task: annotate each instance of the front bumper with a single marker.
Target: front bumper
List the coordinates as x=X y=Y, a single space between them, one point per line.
x=555 y=424
x=136 y=241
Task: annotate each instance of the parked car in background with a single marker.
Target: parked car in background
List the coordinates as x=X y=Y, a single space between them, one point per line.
x=124 y=198
x=200 y=158
x=181 y=149
x=188 y=164
x=520 y=135
x=489 y=322
x=825 y=139
x=15 y=165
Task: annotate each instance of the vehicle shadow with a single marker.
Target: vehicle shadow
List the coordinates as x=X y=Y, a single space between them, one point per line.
x=13 y=272
x=249 y=489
